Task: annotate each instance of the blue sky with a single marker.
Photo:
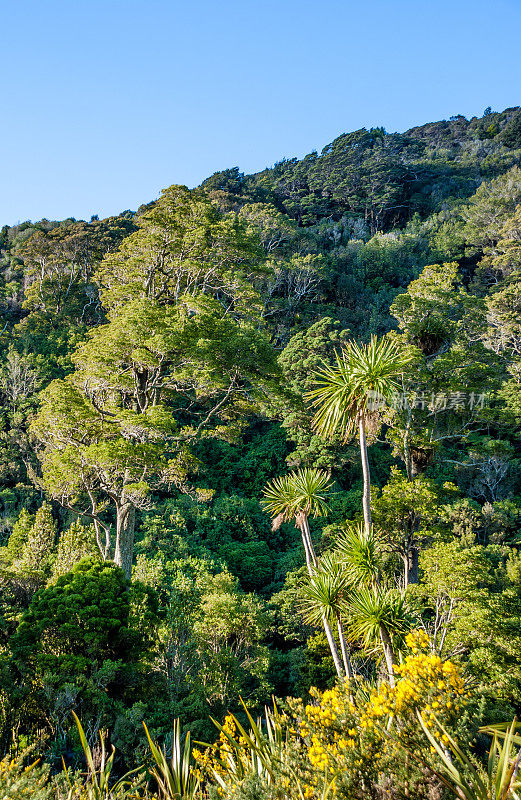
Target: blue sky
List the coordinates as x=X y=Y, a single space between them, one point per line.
x=106 y=102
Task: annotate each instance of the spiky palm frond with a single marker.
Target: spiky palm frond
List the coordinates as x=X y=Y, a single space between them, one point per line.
x=324 y=593
x=334 y=398
x=372 y=609
x=360 y=374
x=279 y=496
x=375 y=366
x=360 y=552
x=304 y=490
x=311 y=489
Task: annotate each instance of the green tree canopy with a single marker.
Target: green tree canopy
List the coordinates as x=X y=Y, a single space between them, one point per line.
x=183 y=333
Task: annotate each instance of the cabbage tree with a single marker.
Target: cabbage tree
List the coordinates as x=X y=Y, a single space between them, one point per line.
x=363 y=377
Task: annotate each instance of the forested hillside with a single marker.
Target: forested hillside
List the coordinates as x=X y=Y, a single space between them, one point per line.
x=261 y=439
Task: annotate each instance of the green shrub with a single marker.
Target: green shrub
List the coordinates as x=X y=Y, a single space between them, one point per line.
x=19 y=782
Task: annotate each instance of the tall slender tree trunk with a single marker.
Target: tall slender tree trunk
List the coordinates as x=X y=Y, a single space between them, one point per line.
x=388 y=653
x=309 y=565
x=302 y=523
x=343 y=647
x=406 y=445
x=405 y=562
x=124 y=549
x=333 y=648
x=299 y=522
x=413 y=564
x=366 y=500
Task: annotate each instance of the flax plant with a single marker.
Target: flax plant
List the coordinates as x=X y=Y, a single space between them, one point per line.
x=465 y=778
x=99 y=784
x=241 y=752
x=176 y=777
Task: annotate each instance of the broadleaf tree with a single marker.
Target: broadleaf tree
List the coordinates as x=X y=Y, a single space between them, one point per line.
x=183 y=349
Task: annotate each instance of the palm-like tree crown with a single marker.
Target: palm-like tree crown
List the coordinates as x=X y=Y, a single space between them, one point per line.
x=373 y=609
x=302 y=491
x=361 y=373
x=360 y=551
x=325 y=591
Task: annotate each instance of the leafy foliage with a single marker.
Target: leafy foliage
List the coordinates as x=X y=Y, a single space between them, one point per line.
x=160 y=368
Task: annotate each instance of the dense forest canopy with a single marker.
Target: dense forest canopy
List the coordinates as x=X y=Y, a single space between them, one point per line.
x=259 y=439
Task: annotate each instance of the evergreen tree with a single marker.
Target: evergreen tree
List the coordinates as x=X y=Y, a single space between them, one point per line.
x=40 y=541
x=19 y=536
x=76 y=543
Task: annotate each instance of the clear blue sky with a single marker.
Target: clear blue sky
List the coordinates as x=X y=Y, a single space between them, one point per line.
x=106 y=102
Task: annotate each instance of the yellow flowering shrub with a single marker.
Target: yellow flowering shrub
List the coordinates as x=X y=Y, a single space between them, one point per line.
x=425 y=684
x=220 y=759
x=17 y=781
x=350 y=741
x=240 y=753
x=339 y=745
x=338 y=749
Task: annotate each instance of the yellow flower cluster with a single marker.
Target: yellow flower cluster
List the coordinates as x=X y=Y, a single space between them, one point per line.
x=6 y=767
x=417 y=641
x=220 y=757
x=17 y=780
x=341 y=738
x=323 y=713
x=426 y=684
x=329 y=729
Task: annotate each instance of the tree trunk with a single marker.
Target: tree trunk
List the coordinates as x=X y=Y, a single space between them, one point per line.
x=405 y=561
x=343 y=647
x=303 y=524
x=410 y=563
x=388 y=653
x=406 y=448
x=312 y=563
x=124 y=550
x=333 y=648
x=366 y=501
x=413 y=564
x=307 y=554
